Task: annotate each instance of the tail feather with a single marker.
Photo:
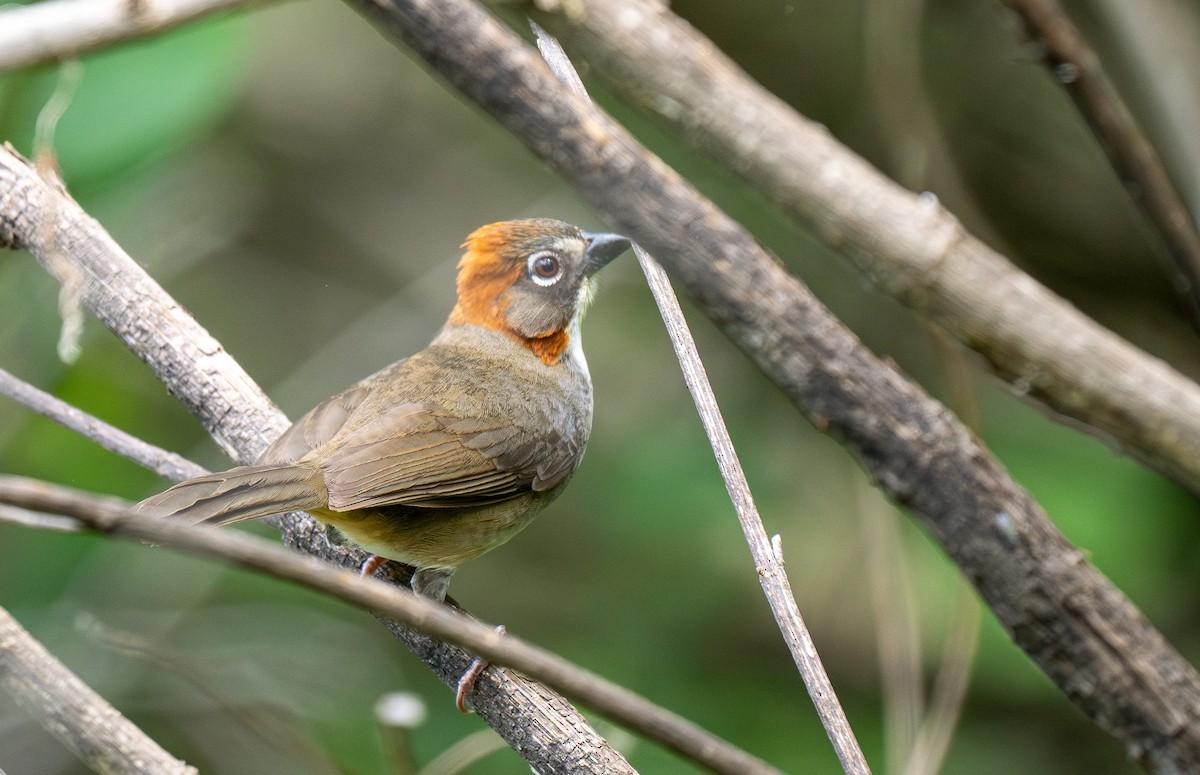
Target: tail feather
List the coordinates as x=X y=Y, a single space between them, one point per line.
x=248 y=492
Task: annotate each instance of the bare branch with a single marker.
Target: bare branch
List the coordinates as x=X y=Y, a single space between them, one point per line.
x=163 y=463
x=73 y=247
x=82 y=720
x=60 y=29
x=1158 y=42
x=52 y=522
x=767 y=561
x=1074 y=65
x=441 y=621
x=1074 y=624
x=908 y=246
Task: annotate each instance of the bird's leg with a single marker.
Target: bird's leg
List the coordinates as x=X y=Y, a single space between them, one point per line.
x=372 y=564
x=466 y=684
x=433 y=583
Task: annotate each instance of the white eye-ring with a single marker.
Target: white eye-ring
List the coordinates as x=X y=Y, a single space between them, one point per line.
x=545 y=268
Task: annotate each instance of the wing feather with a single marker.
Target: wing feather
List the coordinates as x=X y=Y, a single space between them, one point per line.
x=422 y=455
x=315 y=428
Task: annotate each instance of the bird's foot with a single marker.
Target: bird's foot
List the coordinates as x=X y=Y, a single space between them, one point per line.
x=372 y=564
x=466 y=684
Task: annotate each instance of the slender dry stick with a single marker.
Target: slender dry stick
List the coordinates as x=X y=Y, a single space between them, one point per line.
x=1072 y=621
x=767 y=561
x=112 y=516
x=60 y=29
x=897 y=633
x=1158 y=42
x=949 y=691
x=69 y=709
x=1075 y=65
x=768 y=558
x=907 y=246
x=160 y=461
x=41 y=520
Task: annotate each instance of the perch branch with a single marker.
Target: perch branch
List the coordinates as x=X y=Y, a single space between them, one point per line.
x=1075 y=65
x=769 y=564
x=908 y=246
x=110 y=515
x=69 y=709
x=1057 y=607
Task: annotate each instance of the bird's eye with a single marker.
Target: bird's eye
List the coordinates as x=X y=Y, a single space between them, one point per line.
x=545 y=268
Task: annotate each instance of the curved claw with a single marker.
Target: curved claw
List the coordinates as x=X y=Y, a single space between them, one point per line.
x=466 y=684
x=372 y=564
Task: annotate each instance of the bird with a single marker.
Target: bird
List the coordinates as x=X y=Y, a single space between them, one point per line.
x=448 y=453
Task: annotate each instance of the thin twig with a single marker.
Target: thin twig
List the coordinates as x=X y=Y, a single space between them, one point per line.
x=1075 y=65
x=59 y=29
x=949 y=689
x=109 y=515
x=768 y=563
x=897 y=628
x=768 y=559
x=164 y=463
x=56 y=523
x=82 y=720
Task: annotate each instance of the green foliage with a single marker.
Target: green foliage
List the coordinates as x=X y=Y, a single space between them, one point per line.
x=130 y=106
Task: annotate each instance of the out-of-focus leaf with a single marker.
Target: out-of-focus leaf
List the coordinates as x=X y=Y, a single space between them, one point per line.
x=134 y=103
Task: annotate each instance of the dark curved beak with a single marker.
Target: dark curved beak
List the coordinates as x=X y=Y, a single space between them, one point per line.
x=602 y=248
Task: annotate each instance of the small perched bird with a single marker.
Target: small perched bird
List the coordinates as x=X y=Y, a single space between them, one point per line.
x=446 y=454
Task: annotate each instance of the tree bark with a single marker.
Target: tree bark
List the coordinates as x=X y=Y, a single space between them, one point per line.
x=82 y=720
x=908 y=246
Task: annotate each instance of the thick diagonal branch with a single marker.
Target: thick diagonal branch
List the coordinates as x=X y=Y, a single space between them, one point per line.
x=71 y=710
x=909 y=247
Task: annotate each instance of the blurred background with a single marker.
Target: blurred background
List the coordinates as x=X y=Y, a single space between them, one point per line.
x=301 y=186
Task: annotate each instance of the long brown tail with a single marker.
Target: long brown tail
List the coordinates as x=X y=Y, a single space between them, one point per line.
x=241 y=493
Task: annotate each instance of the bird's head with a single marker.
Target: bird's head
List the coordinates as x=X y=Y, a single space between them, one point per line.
x=531 y=280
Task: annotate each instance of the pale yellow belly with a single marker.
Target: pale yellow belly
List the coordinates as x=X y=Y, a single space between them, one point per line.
x=436 y=538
